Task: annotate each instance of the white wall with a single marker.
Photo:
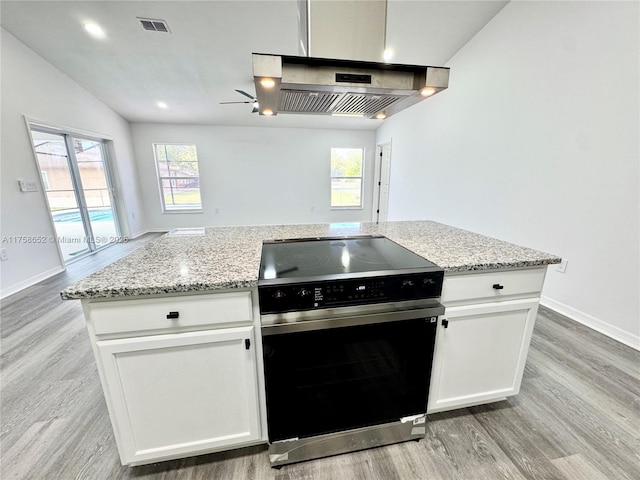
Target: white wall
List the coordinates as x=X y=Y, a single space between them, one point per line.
x=32 y=87
x=537 y=142
x=253 y=175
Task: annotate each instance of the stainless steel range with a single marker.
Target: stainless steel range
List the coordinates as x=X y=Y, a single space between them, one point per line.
x=348 y=330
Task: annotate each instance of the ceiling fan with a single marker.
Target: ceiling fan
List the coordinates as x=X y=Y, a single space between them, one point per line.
x=254 y=100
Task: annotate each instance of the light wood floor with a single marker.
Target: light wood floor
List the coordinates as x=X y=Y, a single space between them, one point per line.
x=577 y=416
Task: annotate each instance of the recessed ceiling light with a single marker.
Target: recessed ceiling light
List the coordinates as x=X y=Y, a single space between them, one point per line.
x=381 y=116
x=428 y=91
x=162 y=105
x=94 y=30
x=267 y=112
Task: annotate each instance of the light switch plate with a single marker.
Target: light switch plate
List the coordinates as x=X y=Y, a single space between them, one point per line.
x=28 y=186
x=562 y=266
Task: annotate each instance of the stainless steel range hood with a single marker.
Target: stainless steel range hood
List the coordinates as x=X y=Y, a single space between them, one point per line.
x=340 y=72
x=320 y=86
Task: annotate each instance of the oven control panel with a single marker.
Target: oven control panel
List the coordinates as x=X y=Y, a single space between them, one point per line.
x=347 y=292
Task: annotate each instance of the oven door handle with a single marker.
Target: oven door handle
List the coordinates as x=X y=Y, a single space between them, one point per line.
x=353 y=320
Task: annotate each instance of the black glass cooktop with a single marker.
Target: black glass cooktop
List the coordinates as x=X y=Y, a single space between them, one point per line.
x=330 y=257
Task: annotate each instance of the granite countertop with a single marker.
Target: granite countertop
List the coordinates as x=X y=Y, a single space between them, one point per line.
x=229 y=257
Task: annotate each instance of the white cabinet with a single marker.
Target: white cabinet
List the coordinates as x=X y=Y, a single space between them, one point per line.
x=481 y=346
x=173 y=395
x=481 y=353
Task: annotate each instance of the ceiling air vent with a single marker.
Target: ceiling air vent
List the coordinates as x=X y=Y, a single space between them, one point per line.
x=154 y=25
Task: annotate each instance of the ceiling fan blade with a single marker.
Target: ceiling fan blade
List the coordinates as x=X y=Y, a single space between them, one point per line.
x=241 y=92
x=228 y=103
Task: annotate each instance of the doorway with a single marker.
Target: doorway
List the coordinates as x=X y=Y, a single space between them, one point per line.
x=77 y=184
x=382 y=182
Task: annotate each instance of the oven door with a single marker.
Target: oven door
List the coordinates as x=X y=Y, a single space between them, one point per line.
x=334 y=375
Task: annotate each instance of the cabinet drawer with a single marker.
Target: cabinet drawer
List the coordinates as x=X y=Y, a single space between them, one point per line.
x=121 y=316
x=471 y=288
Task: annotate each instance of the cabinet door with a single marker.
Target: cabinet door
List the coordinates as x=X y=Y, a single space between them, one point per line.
x=480 y=354
x=181 y=394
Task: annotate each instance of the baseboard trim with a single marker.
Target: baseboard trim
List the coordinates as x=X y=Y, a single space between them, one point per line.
x=592 y=322
x=29 y=282
x=149 y=230
x=133 y=236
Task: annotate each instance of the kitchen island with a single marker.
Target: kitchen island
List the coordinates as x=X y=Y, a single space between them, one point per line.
x=229 y=257
x=175 y=330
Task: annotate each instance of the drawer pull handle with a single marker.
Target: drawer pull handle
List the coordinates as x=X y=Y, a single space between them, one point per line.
x=497 y=286
x=173 y=315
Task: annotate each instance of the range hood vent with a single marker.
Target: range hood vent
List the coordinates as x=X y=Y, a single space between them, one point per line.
x=306 y=85
x=362 y=103
x=306 y=102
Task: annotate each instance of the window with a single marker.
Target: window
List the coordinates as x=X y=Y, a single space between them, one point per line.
x=346 y=177
x=178 y=176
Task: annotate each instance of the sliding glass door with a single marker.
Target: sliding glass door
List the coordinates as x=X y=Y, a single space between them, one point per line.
x=97 y=194
x=76 y=180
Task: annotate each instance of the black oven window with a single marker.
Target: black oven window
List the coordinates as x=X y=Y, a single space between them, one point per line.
x=330 y=380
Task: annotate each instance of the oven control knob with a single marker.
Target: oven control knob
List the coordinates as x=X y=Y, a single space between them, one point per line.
x=408 y=288
x=279 y=295
x=304 y=293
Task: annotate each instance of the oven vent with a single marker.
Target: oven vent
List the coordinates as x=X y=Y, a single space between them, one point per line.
x=154 y=25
